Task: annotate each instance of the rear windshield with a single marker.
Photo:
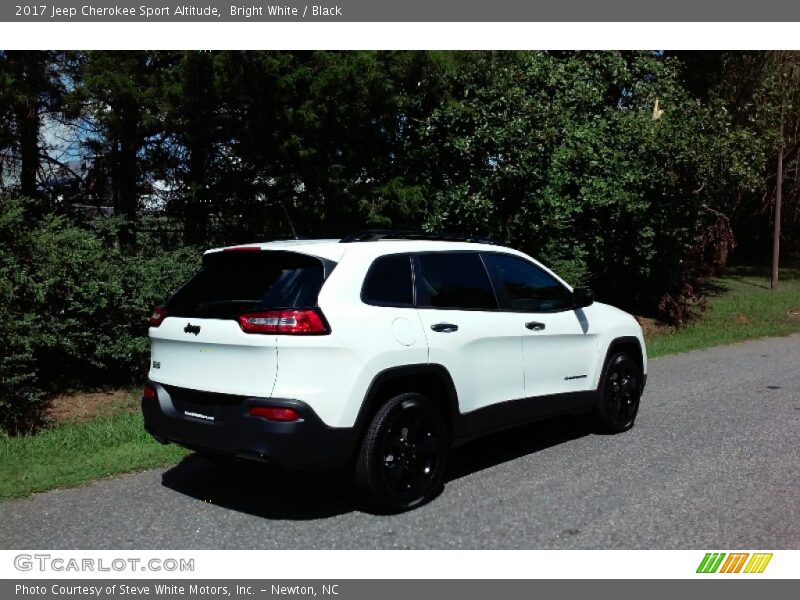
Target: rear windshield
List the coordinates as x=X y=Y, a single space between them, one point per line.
x=232 y=283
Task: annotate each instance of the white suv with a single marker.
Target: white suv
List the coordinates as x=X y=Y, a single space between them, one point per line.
x=381 y=351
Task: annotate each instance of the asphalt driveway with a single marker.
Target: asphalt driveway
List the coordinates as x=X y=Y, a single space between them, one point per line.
x=713 y=462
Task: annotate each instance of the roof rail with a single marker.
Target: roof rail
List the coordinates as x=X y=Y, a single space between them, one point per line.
x=374 y=235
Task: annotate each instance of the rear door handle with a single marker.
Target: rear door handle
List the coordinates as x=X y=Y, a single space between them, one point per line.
x=534 y=325
x=444 y=327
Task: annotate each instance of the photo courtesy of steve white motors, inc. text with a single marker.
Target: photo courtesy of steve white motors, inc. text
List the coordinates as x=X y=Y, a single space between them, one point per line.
x=245 y=11
x=158 y=589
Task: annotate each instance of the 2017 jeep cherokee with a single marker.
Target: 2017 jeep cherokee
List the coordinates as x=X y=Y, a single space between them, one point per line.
x=380 y=351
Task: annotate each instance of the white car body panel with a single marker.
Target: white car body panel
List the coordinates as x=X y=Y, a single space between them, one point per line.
x=560 y=358
x=611 y=324
x=483 y=356
x=370 y=332
x=221 y=358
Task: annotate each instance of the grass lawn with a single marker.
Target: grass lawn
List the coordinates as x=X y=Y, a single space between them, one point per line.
x=100 y=434
x=75 y=452
x=740 y=306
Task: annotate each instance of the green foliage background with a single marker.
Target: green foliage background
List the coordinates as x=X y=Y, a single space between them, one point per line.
x=73 y=306
x=561 y=156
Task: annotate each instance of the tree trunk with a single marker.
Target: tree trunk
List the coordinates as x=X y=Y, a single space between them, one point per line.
x=199 y=130
x=28 y=87
x=28 y=124
x=127 y=194
x=776 y=232
x=196 y=205
x=195 y=217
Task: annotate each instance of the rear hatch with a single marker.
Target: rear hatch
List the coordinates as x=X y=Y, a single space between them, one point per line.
x=198 y=342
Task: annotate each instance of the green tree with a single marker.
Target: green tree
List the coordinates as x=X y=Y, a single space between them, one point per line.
x=310 y=139
x=567 y=156
x=30 y=86
x=761 y=91
x=120 y=95
x=195 y=139
x=786 y=97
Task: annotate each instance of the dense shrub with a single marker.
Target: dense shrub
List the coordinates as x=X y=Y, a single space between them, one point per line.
x=73 y=306
x=600 y=164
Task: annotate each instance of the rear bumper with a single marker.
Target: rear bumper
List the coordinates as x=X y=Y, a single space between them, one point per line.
x=229 y=430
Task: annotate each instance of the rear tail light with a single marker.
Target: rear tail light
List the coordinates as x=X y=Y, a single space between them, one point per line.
x=286 y=322
x=242 y=249
x=157 y=316
x=275 y=413
x=149 y=393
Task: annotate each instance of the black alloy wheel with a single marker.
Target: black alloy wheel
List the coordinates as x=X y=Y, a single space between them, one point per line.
x=621 y=390
x=403 y=456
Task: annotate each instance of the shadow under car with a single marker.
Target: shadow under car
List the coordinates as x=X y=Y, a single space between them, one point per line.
x=269 y=492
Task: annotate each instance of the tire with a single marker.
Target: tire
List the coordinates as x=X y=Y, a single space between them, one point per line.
x=403 y=454
x=620 y=392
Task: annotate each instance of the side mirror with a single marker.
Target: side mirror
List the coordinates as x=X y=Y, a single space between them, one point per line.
x=582 y=296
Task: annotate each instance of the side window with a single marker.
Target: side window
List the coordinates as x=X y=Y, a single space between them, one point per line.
x=524 y=287
x=454 y=280
x=388 y=282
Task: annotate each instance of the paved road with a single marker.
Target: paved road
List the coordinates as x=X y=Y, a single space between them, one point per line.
x=713 y=462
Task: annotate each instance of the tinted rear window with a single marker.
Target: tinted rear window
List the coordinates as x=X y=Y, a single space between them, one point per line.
x=388 y=282
x=232 y=283
x=454 y=280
